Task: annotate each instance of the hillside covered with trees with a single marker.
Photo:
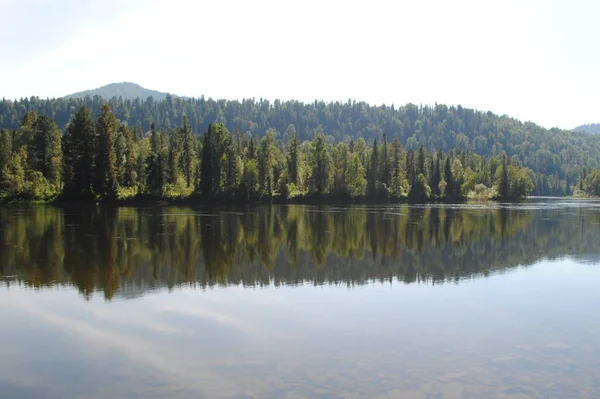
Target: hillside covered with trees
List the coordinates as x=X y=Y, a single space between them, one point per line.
x=591 y=128
x=554 y=157
x=103 y=158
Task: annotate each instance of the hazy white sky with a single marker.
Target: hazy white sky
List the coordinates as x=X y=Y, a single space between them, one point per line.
x=534 y=60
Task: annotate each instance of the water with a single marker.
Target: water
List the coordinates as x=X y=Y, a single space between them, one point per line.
x=468 y=301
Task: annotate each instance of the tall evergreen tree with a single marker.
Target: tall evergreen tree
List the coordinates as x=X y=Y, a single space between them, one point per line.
x=47 y=150
x=252 y=148
x=436 y=177
x=292 y=160
x=504 y=189
x=386 y=176
x=106 y=171
x=80 y=147
x=321 y=163
x=411 y=169
x=266 y=160
x=206 y=181
x=373 y=170
x=421 y=161
x=157 y=162
x=450 y=184
x=188 y=156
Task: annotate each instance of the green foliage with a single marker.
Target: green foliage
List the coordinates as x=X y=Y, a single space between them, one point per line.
x=12 y=175
x=512 y=181
x=110 y=159
x=46 y=151
x=250 y=179
x=420 y=190
x=589 y=185
x=106 y=158
x=355 y=177
x=321 y=165
x=79 y=148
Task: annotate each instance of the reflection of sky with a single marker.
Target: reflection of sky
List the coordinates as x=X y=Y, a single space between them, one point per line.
x=536 y=329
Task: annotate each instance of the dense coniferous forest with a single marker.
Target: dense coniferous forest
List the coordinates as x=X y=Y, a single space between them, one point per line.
x=555 y=158
x=103 y=158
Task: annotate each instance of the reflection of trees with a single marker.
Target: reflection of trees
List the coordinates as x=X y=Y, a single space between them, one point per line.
x=114 y=249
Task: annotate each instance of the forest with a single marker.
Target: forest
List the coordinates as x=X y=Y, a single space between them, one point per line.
x=129 y=250
x=555 y=157
x=107 y=159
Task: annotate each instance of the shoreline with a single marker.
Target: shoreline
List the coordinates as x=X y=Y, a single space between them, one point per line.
x=148 y=200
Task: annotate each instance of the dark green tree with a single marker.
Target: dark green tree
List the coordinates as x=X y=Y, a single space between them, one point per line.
x=292 y=160
x=386 y=176
x=46 y=150
x=106 y=171
x=373 y=170
x=450 y=183
x=80 y=148
x=188 y=156
x=206 y=181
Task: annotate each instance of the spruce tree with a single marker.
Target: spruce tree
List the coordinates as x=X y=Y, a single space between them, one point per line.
x=292 y=166
x=207 y=164
x=450 y=189
x=106 y=172
x=373 y=170
x=80 y=147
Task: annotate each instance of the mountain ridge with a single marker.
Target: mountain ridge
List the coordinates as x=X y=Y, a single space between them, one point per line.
x=126 y=90
x=591 y=128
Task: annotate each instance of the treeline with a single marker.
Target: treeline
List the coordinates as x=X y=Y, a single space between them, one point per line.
x=125 y=251
x=108 y=159
x=556 y=156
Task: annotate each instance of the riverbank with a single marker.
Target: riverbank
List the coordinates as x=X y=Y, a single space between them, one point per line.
x=149 y=200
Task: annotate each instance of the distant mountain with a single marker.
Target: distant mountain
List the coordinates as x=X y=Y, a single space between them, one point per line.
x=592 y=128
x=127 y=90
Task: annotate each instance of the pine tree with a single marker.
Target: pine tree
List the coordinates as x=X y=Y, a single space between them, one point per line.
x=80 y=147
x=106 y=172
x=436 y=177
x=252 y=149
x=322 y=167
x=421 y=157
x=373 y=170
x=206 y=181
x=292 y=166
x=157 y=162
x=504 y=184
x=266 y=162
x=385 y=164
x=47 y=150
x=450 y=184
x=411 y=172
x=188 y=156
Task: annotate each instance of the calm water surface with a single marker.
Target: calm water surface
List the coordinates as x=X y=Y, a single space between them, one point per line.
x=470 y=301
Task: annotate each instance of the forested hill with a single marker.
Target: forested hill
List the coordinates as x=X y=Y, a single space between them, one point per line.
x=125 y=90
x=592 y=128
x=553 y=152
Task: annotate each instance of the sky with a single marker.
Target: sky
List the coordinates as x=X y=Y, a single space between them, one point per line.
x=534 y=60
